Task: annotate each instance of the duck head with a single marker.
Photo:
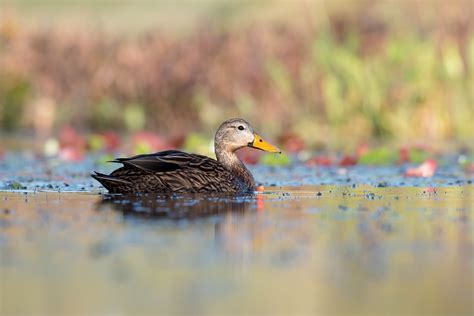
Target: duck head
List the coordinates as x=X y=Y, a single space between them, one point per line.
x=237 y=133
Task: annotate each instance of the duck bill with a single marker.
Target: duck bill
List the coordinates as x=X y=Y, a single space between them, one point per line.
x=260 y=143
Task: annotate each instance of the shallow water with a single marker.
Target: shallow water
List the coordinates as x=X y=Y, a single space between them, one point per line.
x=326 y=249
x=358 y=240
x=35 y=174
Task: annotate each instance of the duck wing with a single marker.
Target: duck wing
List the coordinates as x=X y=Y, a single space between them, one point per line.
x=168 y=171
x=163 y=161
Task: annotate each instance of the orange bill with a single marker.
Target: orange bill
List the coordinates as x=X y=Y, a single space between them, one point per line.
x=260 y=143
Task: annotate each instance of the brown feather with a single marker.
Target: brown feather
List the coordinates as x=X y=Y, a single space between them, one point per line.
x=174 y=172
x=177 y=171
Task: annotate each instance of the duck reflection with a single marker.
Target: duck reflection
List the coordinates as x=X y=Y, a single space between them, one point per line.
x=177 y=206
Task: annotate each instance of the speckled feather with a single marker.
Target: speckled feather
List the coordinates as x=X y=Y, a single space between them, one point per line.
x=177 y=171
x=174 y=171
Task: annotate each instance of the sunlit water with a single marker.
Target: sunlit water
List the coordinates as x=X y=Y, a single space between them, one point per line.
x=289 y=250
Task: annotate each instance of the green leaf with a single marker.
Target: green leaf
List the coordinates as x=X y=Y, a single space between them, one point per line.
x=275 y=160
x=417 y=155
x=15 y=185
x=380 y=156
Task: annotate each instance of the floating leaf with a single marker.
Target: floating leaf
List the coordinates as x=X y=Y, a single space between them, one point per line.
x=417 y=155
x=72 y=154
x=275 y=160
x=348 y=161
x=380 y=156
x=425 y=170
x=320 y=161
x=15 y=185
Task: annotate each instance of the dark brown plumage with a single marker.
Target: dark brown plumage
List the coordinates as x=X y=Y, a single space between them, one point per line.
x=177 y=171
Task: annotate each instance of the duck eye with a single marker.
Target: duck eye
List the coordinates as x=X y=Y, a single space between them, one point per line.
x=241 y=128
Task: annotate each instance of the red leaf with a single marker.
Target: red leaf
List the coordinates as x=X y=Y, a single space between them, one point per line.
x=111 y=140
x=425 y=170
x=291 y=142
x=404 y=153
x=348 y=161
x=69 y=137
x=320 y=161
x=71 y=154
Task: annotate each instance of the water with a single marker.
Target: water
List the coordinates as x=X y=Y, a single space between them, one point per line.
x=285 y=251
x=315 y=241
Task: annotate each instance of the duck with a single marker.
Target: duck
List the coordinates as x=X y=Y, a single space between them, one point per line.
x=175 y=171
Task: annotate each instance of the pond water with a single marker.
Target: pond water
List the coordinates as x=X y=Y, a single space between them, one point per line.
x=329 y=247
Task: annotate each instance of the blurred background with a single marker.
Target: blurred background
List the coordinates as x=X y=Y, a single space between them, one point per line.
x=312 y=74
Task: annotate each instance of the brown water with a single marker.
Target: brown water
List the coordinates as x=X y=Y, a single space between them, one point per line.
x=292 y=250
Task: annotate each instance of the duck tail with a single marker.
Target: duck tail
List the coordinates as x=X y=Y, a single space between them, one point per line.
x=111 y=183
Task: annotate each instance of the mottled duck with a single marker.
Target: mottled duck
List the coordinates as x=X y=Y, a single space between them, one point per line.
x=176 y=171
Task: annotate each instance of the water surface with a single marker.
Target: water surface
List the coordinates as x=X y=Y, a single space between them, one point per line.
x=326 y=249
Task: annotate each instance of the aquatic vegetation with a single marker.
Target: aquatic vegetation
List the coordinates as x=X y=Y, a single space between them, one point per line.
x=275 y=160
x=426 y=169
x=352 y=77
x=379 y=156
x=15 y=185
